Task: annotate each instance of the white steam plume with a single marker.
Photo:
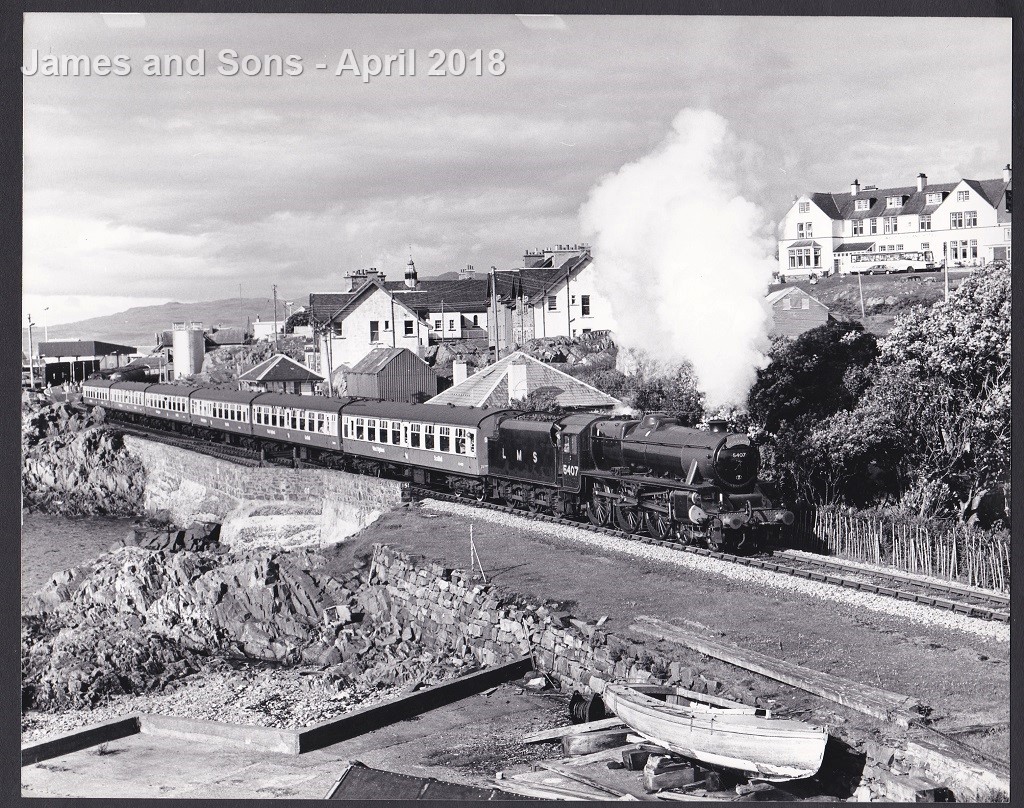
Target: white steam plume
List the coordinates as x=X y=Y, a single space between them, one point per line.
x=685 y=261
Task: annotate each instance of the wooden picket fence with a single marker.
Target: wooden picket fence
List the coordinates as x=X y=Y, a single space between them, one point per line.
x=954 y=552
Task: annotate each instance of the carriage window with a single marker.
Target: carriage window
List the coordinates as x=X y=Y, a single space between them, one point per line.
x=414 y=436
x=460 y=441
x=428 y=436
x=294 y=416
x=396 y=433
x=445 y=438
x=383 y=430
x=371 y=429
x=471 y=435
x=344 y=425
x=302 y=421
x=359 y=429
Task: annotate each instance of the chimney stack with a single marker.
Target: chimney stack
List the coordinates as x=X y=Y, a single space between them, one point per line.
x=854 y=187
x=1006 y=173
x=460 y=372
x=922 y=180
x=410 y=275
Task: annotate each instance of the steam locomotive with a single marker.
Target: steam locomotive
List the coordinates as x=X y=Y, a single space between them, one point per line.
x=653 y=474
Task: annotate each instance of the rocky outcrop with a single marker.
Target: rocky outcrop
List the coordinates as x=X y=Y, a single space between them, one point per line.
x=74 y=465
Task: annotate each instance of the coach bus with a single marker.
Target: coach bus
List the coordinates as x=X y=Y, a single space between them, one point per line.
x=875 y=263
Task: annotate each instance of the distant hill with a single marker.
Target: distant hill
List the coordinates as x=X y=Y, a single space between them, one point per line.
x=137 y=326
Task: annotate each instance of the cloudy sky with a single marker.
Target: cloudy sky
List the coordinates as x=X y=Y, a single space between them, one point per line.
x=144 y=189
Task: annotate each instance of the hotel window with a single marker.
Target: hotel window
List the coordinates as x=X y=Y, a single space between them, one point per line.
x=933 y=199
x=476 y=320
x=890 y=224
x=874 y=226
x=899 y=248
x=804 y=257
x=925 y=222
x=894 y=201
x=408 y=328
x=862 y=204
x=552 y=303
x=956 y=220
x=451 y=325
x=804 y=207
x=585 y=305
x=974 y=248
x=414 y=436
x=857 y=227
x=444 y=438
x=428 y=436
x=970 y=218
x=807 y=229
x=371 y=429
x=963 y=196
x=374 y=330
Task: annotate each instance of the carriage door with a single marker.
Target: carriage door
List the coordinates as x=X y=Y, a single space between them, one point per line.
x=569 y=460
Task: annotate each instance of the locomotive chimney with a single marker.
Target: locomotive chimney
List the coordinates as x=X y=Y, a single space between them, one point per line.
x=718 y=425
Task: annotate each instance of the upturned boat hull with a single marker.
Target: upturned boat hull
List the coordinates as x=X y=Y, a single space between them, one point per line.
x=768 y=748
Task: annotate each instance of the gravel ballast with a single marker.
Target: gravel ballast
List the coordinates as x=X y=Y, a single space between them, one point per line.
x=910 y=612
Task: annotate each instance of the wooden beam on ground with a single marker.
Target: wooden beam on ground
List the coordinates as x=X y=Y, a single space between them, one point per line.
x=79 y=739
x=885 y=705
x=376 y=716
x=573 y=729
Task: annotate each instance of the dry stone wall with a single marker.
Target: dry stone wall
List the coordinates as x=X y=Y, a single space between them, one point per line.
x=270 y=506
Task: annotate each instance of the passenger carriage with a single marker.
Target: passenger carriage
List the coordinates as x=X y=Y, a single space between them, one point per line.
x=309 y=421
x=223 y=410
x=129 y=396
x=439 y=442
x=170 y=401
x=97 y=392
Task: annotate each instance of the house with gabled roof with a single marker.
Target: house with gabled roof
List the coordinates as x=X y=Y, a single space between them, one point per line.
x=553 y=294
x=280 y=374
x=376 y=313
x=514 y=377
x=962 y=223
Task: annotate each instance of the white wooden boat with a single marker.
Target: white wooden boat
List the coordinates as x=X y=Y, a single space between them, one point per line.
x=737 y=737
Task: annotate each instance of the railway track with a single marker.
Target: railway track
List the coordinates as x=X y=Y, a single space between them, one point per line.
x=938 y=594
x=890 y=583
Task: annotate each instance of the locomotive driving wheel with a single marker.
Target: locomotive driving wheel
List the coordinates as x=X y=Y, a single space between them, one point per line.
x=628 y=518
x=599 y=510
x=658 y=525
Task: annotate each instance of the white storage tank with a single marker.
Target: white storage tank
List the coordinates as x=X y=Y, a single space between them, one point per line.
x=189 y=345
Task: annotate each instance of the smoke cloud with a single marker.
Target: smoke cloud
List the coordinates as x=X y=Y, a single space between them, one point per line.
x=684 y=260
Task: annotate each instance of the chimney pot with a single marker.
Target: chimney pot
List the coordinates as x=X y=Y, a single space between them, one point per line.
x=854 y=187
x=1006 y=173
x=922 y=180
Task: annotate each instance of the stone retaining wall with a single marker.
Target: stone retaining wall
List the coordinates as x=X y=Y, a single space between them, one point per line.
x=320 y=505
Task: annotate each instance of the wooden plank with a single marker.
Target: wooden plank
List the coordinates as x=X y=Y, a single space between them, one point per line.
x=78 y=739
x=590 y=742
x=603 y=755
x=573 y=729
x=882 y=704
x=617 y=782
x=559 y=787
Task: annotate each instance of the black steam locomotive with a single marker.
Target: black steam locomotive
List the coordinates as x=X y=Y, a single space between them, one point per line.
x=652 y=474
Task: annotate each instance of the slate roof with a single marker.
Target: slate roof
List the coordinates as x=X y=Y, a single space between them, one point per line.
x=534 y=281
x=778 y=294
x=280 y=368
x=376 y=360
x=428 y=296
x=855 y=246
x=233 y=335
x=842 y=205
x=489 y=387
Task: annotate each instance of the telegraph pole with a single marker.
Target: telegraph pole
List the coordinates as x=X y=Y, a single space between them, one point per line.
x=277 y=346
x=31 y=364
x=860 y=286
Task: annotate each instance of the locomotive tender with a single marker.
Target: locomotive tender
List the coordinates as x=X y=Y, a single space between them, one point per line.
x=653 y=474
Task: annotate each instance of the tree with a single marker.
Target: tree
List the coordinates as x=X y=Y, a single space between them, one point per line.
x=936 y=421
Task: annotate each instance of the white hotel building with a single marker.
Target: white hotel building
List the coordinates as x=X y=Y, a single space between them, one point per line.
x=964 y=223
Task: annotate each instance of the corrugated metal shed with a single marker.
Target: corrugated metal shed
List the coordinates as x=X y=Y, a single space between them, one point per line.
x=392 y=374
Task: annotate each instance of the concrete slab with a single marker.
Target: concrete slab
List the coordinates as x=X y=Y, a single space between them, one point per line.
x=152 y=766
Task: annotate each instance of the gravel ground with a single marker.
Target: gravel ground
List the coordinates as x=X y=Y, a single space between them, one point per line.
x=911 y=612
x=282 y=698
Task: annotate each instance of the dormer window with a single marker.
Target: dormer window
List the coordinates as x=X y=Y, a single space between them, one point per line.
x=862 y=204
x=933 y=199
x=963 y=196
x=894 y=201
x=804 y=207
